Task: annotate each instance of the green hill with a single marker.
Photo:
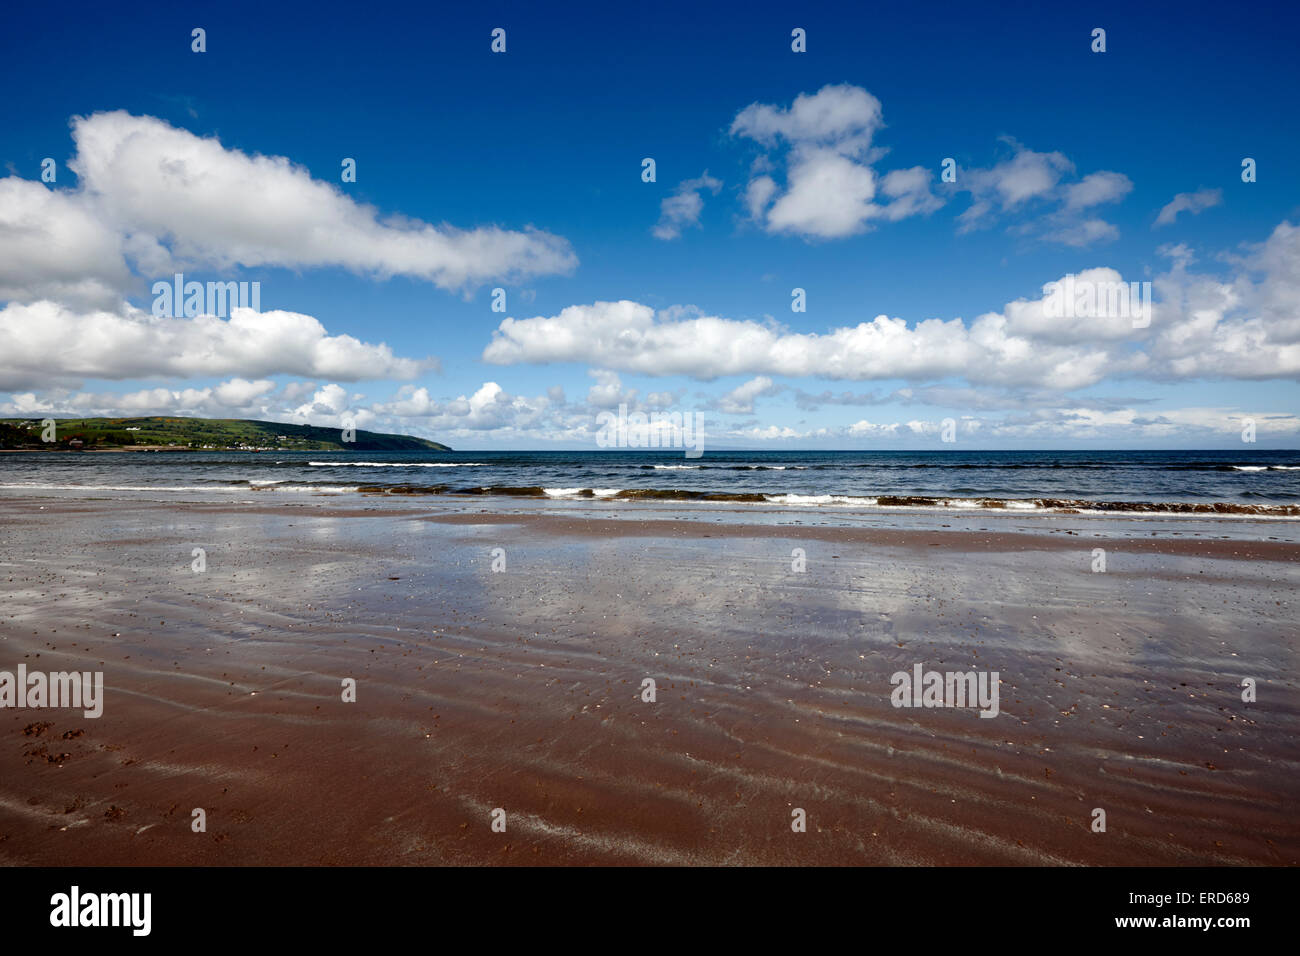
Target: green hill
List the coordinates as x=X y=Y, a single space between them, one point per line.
x=211 y=434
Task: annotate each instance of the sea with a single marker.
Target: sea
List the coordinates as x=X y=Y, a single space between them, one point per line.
x=1259 y=482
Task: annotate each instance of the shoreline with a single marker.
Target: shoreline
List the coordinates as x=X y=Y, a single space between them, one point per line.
x=802 y=504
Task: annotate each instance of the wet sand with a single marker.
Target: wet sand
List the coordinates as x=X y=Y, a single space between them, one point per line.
x=520 y=689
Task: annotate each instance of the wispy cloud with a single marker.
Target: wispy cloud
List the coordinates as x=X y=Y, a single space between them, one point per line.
x=1195 y=203
x=681 y=210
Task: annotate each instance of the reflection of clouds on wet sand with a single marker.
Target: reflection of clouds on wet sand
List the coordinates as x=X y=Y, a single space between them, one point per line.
x=521 y=689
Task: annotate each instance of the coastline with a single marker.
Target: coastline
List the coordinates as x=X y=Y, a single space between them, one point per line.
x=520 y=689
x=93 y=451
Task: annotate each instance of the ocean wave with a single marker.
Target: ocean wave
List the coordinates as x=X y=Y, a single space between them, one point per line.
x=812 y=500
x=396 y=464
x=318 y=489
x=565 y=492
x=582 y=492
x=954 y=502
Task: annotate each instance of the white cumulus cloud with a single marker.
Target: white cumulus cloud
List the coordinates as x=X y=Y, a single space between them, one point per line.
x=153 y=198
x=831 y=188
x=48 y=343
x=1193 y=325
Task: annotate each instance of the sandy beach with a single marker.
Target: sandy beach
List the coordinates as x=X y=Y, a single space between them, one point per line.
x=521 y=688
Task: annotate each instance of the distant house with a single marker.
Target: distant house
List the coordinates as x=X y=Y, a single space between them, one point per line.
x=76 y=444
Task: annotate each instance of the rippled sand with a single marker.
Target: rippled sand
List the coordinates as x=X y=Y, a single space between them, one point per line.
x=520 y=689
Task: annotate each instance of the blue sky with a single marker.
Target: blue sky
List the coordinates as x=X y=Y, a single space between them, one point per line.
x=1064 y=158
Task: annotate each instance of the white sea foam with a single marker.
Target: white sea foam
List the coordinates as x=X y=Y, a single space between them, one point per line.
x=396 y=464
x=319 y=489
x=820 y=500
x=578 y=492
